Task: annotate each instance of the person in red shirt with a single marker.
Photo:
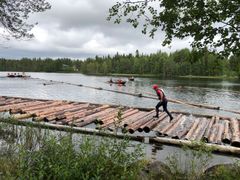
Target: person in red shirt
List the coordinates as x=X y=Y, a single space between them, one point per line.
x=163 y=101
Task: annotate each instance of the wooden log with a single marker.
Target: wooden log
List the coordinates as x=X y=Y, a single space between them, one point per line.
x=181 y=133
x=45 y=111
x=201 y=124
x=226 y=133
x=133 y=118
x=30 y=99
x=12 y=106
x=79 y=114
x=174 y=124
x=217 y=119
x=30 y=105
x=21 y=105
x=194 y=104
x=67 y=118
x=134 y=126
x=76 y=108
x=22 y=116
x=169 y=125
x=73 y=129
x=111 y=124
x=186 y=103
x=200 y=115
x=111 y=115
x=213 y=133
x=208 y=130
x=87 y=113
x=218 y=138
x=54 y=110
x=107 y=118
x=40 y=107
x=234 y=124
x=101 y=121
x=161 y=117
x=89 y=119
x=232 y=111
x=203 y=130
x=217 y=148
x=192 y=129
x=38 y=119
x=149 y=126
x=12 y=102
x=162 y=124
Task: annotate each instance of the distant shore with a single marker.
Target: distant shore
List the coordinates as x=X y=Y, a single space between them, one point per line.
x=143 y=75
x=160 y=76
x=209 y=77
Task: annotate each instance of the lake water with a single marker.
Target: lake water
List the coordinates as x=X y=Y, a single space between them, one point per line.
x=223 y=93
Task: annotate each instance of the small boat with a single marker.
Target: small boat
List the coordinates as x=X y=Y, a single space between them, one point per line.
x=121 y=82
x=131 y=78
x=17 y=75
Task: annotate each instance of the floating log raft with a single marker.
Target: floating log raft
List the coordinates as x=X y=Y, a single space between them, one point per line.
x=215 y=129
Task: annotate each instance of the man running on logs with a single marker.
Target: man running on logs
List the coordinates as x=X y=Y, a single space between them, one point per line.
x=163 y=101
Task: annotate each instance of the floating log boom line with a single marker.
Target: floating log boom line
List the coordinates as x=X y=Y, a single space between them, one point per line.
x=206 y=106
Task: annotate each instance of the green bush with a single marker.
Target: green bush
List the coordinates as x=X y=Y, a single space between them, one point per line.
x=45 y=154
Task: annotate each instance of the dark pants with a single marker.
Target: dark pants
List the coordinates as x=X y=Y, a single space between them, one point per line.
x=164 y=104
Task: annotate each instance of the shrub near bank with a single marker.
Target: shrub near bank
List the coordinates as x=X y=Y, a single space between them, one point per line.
x=97 y=158
x=43 y=154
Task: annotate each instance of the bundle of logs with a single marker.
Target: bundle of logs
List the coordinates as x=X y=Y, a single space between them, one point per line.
x=212 y=129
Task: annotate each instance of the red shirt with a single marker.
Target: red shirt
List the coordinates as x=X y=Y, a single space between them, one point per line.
x=161 y=94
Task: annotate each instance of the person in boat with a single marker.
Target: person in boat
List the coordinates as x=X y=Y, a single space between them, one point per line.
x=111 y=81
x=163 y=101
x=119 y=81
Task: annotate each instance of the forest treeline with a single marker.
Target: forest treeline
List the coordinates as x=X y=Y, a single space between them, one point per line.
x=179 y=63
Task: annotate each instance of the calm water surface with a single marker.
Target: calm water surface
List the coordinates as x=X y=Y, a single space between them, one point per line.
x=225 y=94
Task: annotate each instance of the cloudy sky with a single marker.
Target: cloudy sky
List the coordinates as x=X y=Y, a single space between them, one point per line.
x=78 y=29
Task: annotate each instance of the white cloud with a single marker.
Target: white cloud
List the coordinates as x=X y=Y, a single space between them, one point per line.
x=78 y=29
